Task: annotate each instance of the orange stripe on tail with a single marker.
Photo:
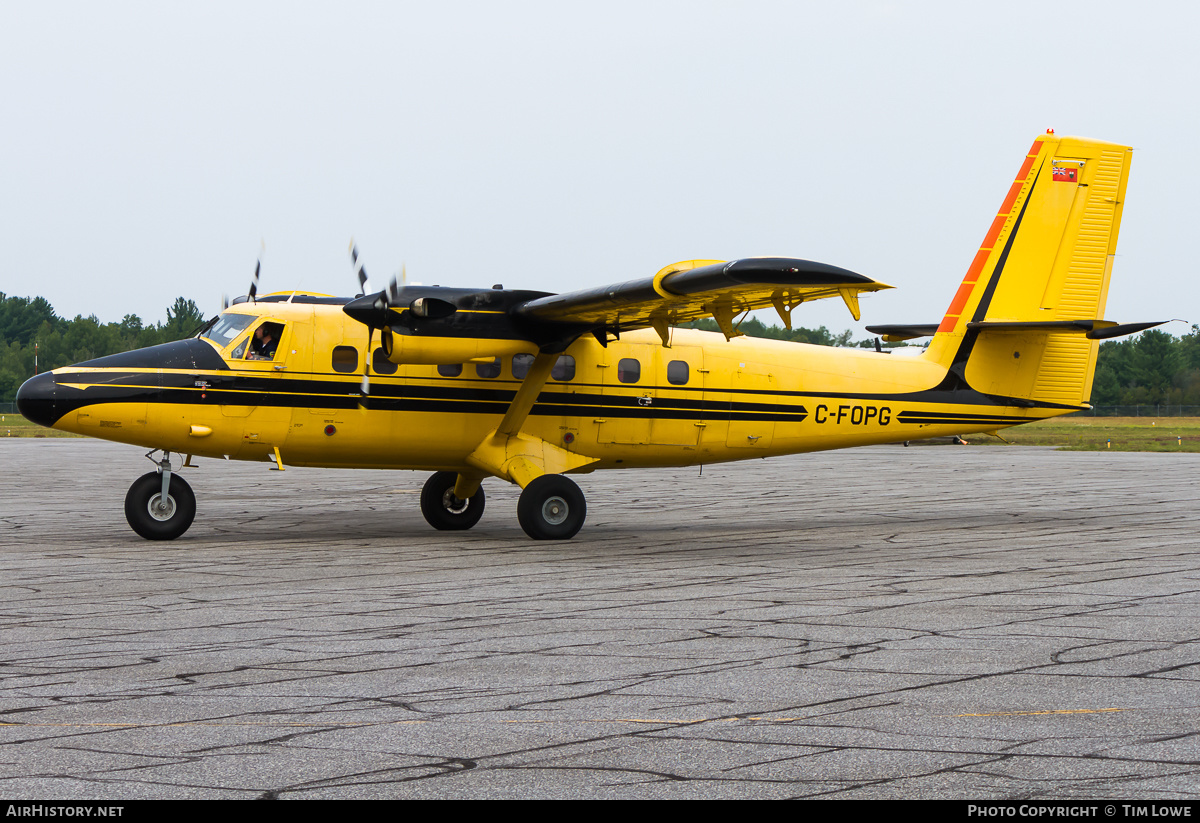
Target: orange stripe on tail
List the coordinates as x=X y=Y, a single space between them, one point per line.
x=950 y=320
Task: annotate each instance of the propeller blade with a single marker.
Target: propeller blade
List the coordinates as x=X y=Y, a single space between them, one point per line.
x=365 y=389
x=224 y=301
x=359 y=270
x=393 y=292
x=254 y=279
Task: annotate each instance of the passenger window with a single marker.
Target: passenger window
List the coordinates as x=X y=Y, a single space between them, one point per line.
x=488 y=369
x=564 y=368
x=380 y=364
x=450 y=370
x=345 y=359
x=629 y=370
x=677 y=372
x=521 y=364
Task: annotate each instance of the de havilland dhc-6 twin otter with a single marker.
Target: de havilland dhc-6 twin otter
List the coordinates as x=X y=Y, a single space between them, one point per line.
x=530 y=387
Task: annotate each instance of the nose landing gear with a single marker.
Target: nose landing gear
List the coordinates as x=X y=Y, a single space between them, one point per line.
x=160 y=505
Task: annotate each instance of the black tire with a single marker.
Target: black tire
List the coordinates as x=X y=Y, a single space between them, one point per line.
x=153 y=525
x=446 y=512
x=551 y=508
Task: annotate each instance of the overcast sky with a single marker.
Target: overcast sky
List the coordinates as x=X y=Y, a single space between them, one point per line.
x=149 y=148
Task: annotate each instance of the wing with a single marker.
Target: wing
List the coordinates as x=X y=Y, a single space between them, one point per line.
x=702 y=288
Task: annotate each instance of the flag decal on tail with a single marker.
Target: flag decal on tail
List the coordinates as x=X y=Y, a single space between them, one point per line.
x=1065 y=174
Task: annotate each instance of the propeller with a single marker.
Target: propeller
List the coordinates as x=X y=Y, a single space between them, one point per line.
x=360 y=271
x=386 y=299
x=381 y=304
x=374 y=311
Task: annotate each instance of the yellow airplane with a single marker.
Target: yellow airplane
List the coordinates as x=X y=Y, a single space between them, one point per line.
x=530 y=387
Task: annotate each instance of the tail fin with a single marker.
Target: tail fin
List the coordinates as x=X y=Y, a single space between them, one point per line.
x=1046 y=259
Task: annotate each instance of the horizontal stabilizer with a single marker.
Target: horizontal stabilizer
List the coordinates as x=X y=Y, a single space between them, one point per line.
x=1121 y=330
x=1091 y=329
x=896 y=333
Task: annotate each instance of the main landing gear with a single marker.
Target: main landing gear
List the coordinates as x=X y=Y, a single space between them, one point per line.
x=443 y=510
x=550 y=508
x=160 y=505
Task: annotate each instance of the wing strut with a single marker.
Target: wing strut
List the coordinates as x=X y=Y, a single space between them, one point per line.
x=531 y=387
x=513 y=455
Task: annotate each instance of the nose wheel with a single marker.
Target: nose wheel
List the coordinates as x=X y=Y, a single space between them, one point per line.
x=154 y=516
x=443 y=509
x=551 y=508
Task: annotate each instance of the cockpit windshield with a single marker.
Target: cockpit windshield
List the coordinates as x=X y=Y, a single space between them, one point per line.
x=227 y=327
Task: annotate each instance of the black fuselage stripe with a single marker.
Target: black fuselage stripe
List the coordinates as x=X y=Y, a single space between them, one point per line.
x=244 y=389
x=960 y=415
x=564 y=405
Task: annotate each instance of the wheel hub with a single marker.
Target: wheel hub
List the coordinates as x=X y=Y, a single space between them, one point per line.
x=555 y=510
x=160 y=511
x=454 y=504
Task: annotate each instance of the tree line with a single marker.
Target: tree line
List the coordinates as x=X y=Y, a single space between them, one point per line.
x=1153 y=367
x=30 y=328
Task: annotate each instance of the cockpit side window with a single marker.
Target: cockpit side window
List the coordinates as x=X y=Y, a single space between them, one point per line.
x=265 y=341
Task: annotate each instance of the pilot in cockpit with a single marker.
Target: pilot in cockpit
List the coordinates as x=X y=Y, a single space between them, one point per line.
x=264 y=342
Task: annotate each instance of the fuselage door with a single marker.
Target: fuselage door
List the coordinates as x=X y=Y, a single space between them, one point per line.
x=653 y=395
x=750 y=408
x=678 y=407
x=629 y=391
x=258 y=360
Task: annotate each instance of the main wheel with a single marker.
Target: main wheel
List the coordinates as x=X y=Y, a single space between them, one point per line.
x=443 y=510
x=551 y=508
x=153 y=519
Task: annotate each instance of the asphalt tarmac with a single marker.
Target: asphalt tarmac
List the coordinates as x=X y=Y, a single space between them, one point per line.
x=937 y=622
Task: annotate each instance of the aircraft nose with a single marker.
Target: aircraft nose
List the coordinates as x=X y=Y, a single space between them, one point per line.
x=35 y=400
